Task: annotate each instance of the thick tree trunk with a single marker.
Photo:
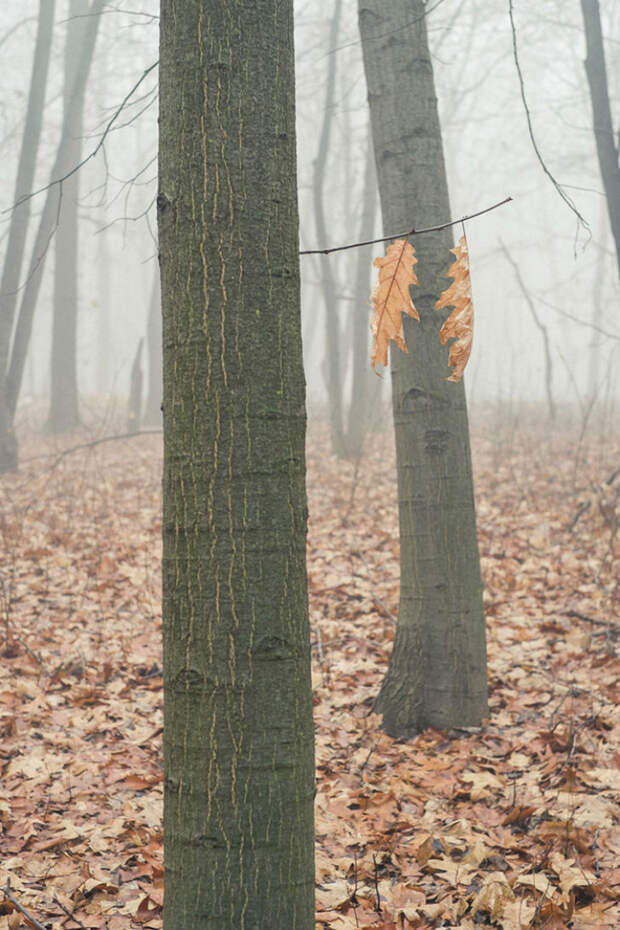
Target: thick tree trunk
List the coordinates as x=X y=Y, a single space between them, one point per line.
x=20 y=217
x=332 y=363
x=64 y=413
x=606 y=147
x=238 y=739
x=47 y=226
x=152 y=414
x=437 y=671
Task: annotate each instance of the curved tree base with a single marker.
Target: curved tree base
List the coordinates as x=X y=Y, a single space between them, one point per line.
x=410 y=701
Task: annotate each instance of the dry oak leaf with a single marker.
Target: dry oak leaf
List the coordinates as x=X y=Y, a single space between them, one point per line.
x=493 y=897
x=391 y=298
x=460 y=324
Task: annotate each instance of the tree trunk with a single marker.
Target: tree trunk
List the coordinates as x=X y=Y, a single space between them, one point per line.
x=238 y=738
x=47 y=226
x=333 y=362
x=134 y=403
x=359 y=417
x=606 y=148
x=63 y=413
x=20 y=217
x=437 y=671
x=152 y=414
x=103 y=324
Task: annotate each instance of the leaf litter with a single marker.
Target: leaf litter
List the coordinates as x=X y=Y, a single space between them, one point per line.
x=512 y=825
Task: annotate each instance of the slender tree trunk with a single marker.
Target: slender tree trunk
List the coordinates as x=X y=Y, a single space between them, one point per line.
x=104 y=335
x=333 y=362
x=20 y=217
x=64 y=413
x=238 y=738
x=359 y=416
x=134 y=402
x=437 y=671
x=596 y=318
x=47 y=226
x=544 y=335
x=152 y=414
x=606 y=146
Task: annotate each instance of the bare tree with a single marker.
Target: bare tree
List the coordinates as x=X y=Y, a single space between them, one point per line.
x=63 y=412
x=437 y=671
x=47 y=226
x=18 y=226
x=607 y=147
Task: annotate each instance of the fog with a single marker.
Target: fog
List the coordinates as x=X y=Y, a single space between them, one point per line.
x=534 y=264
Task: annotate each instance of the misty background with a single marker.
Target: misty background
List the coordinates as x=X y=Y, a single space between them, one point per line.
x=537 y=271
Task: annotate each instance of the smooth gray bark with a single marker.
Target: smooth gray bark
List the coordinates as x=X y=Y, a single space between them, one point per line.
x=606 y=146
x=238 y=736
x=437 y=671
x=18 y=226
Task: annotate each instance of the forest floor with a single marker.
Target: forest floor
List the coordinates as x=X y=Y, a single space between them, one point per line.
x=511 y=825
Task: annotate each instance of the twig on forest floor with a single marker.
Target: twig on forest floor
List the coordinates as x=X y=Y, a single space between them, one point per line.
x=377 y=600
x=11 y=897
x=88 y=445
x=578 y=616
x=587 y=504
x=31 y=652
x=354 y=483
x=69 y=914
x=376 y=884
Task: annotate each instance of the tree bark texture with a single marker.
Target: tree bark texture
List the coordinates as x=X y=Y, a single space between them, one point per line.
x=64 y=413
x=606 y=147
x=18 y=227
x=47 y=224
x=437 y=671
x=238 y=738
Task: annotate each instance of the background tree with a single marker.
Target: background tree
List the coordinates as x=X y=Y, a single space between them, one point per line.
x=16 y=242
x=152 y=411
x=607 y=147
x=437 y=671
x=238 y=738
x=63 y=412
x=47 y=223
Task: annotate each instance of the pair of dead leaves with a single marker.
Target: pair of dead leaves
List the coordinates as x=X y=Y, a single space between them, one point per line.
x=391 y=298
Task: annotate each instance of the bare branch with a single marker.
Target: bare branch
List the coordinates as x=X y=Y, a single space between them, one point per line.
x=405 y=235
x=97 y=148
x=565 y=197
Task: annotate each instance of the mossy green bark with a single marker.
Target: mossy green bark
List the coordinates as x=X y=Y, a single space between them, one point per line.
x=238 y=737
x=437 y=672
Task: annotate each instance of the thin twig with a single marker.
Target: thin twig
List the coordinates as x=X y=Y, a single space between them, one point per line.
x=96 y=149
x=8 y=894
x=565 y=197
x=376 y=883
x=377 y=600
x=587 y=504
x=88 y=445
x=69 y=914
x=593 y=620
x=405 y=235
